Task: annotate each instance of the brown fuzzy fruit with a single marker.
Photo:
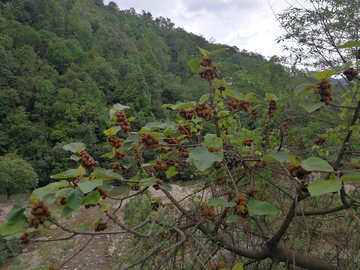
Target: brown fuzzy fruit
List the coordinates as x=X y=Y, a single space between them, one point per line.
x=22 y=237
x=214 y=267
x=39 y=211
x=212 y=213
x=236 y=200
x=206 y=212
x=26 y=234
x=222 y=265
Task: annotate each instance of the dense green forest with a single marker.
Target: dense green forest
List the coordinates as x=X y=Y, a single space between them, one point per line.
x=65 y=61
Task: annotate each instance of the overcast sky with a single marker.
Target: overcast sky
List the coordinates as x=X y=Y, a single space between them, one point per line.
x=247 y=24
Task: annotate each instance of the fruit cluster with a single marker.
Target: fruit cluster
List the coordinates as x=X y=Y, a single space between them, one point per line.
x=149 y=141
x=177 y=168
x=187 y=113
x=220 y=265
x=114 y=141
x=301 y=142
x=221 y=88
x=91 y=205
x=122 y=121
x=171 y=140
x=217 y=165
x=87 y=161
x=214 y=149
x=272 y=108
x=128 y=169
x=156 y=205
x=356 y=166
x=184 y=154
x=209 y=211
x=171 y=162
x=24 y=238
x=299 y=172
x=137 y=158
x=159 y=166
x=101 y=227
x=350 y=73
x=324 y=90
x=102 y=192
x=241 y=207
x=115 y=167
x=248 y=142
x=185 y=130
x=236 y=103
x=220 y=181
x=203 y=111
x=164 y=150
x=252 y=191
x=135 y=187
x=158 y=182
x=210 y=71
x=287 y=120
x=254 y=113
x=119 y=155
x=63 y=201
x=40 y=213
x=319 y=141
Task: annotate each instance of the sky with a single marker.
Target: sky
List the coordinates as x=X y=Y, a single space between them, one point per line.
x=247 y=24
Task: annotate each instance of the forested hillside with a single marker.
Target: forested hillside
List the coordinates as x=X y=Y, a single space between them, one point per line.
x=64 y=61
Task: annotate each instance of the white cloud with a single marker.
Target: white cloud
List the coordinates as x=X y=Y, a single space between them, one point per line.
x=247 y=24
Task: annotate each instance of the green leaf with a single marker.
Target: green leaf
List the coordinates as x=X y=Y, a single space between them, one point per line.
x=92 y=198
x=324 y=74
x=149 y=182
x=320 y=186
x=310 y=106
x=120 y=107
x=217 y=51
x=40 y=193
x=194 y=64
x=316 y=98
x=292 y=160
x=212 y=141
x=203 y=98
x=74 y=147
x=261 y=208
x=220 y=202
x=170 y=172
x=158 y=125
x=238 y=96
x=128 y=143
x=204 y=159
x=66 y=211
x=84 y=227
x=64 y=175
x=204 y=52
x=166 y=187
x=112 y=131
x=97 y=222
x=104 y=174
x=17 y=209
x=238 y=266
x=74 y=197
x=316 y=164
x=348 y=44
x=233 y=218
x=106 y=186
x=253 y=99
x=74 y=157
x=229 y=92
x=350 y=176
x=80 y=171
x=304 y=88
x=104 y=207
x=108 y=155
x=277 y=157
x=179 y=106
x=86 y=186
x=270 y=96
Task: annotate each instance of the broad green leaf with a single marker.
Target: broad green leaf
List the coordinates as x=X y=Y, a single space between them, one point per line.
x=217 y=51
x=15 y=235
x=84 y=227
x=64 y=175
x=170 y=172
x=248 y=96
x=92 y=198
x=204 y=52
x=158 y=125
x=106 y=186
x=238 y=96
x=128 y=143
x=97 y=222
x=310 y=106
x=74 y=197
x=120 y=107
x=104 y=207
x=220 y=202
x=320 y=186
x=17 y=209
x=74 y=157
x=179 y=106
x=104 y=174
x=316 y=98
x=348 y=44
x=212 y=141
x=112 y=131
x=350 y=176
x=108 y=155
x=304 y=88
x=253 y=99
x=86 y=186
x=270 y=96
x=66 y=211
x=238 y=266
x=204 y=98
x=80 y=171
x=109 y=115
x=40 y=193
x=324 y=74
x=166 y=187
x=261 y=208
x=277 y=157
x=292 y=160
x=204 y=159
x=14 y=224
x=316 y=164
x=74 y=147
x=229 y=92
x=233 y=218
x=194 y=64
x=147 y=182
